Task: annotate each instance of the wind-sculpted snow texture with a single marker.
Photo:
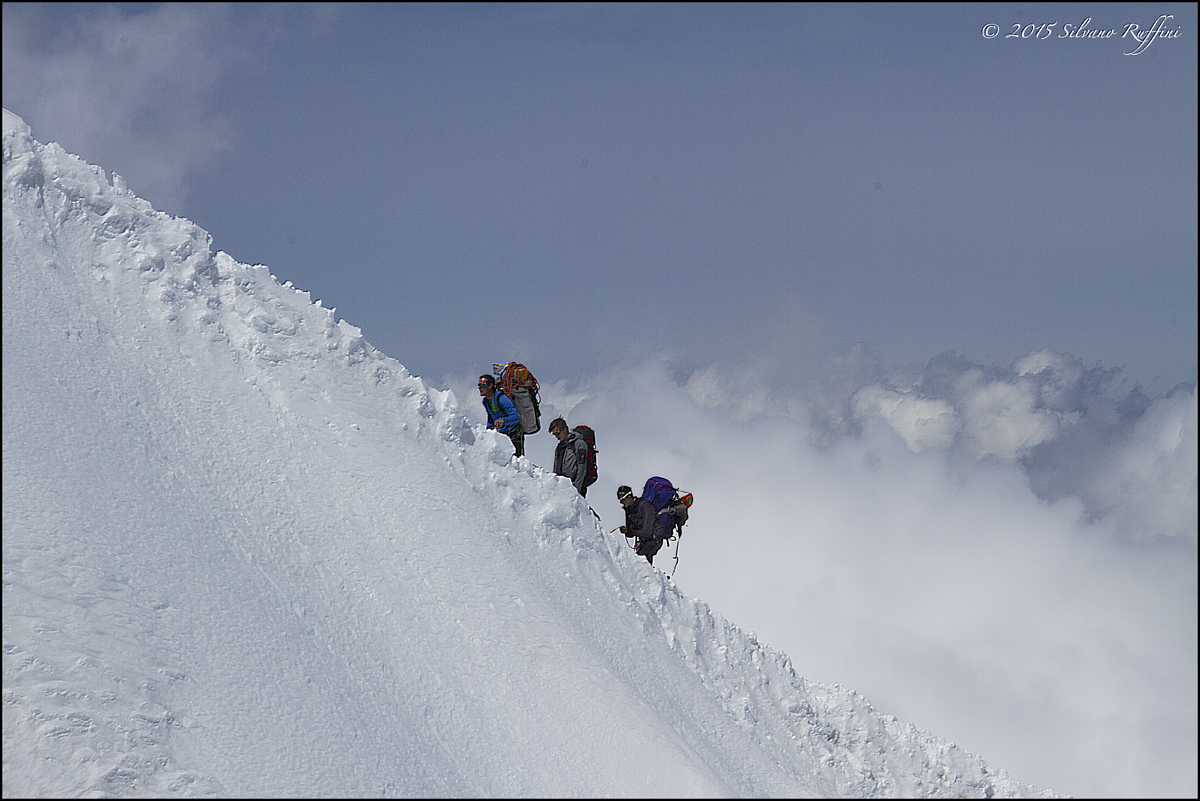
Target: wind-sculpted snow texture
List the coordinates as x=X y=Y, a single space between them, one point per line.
x=247 y=554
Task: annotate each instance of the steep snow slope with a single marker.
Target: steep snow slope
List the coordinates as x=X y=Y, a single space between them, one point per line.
x=247 y=554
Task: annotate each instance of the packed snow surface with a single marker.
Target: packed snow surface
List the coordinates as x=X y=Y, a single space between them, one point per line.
x=245 y=553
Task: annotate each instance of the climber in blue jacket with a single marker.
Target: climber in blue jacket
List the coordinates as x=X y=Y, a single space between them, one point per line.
x=501 y=413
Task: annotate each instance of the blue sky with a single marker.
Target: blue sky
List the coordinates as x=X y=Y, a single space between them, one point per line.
x=575 y=185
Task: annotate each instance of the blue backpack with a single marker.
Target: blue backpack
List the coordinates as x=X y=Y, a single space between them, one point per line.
x=672 y=509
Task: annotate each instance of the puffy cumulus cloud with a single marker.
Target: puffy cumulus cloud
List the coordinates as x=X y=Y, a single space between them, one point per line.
x=921 y=422
x=1003 y=418
x=1151 y=488
x=1063 y=381
x=861 y=529
x=743 y=396
x=993 y=412
x=816 y=390
x=1078 y=432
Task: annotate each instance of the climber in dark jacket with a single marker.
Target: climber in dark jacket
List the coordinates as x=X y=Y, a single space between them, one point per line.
x=641 y=521
x=570 y=455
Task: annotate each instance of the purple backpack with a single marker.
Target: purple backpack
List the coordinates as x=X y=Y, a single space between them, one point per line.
x=661 y=493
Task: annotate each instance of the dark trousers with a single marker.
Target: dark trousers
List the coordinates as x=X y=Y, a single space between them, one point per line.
x=648 y=548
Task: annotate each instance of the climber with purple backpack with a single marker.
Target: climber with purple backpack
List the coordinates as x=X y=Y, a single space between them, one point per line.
x=656 y=517
x=641 y=523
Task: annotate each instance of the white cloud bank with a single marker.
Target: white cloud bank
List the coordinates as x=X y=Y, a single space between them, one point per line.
x=1005 y=553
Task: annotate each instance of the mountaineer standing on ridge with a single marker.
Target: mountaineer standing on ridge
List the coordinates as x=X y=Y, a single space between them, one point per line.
x=501 y=413
x=575 y=455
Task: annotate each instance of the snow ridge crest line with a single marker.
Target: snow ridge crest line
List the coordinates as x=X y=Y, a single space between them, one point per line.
x=230 y=318
x=265 y=324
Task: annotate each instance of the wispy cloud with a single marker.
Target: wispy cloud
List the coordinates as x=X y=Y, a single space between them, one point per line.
x=133 y=91
x=146 y=90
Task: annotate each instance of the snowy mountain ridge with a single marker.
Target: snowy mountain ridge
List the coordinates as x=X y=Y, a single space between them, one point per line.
x=246 y=553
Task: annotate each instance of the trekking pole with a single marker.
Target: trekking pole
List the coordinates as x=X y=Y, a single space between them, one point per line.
x=677 y=539
x=631 y=545
x=618 y=528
